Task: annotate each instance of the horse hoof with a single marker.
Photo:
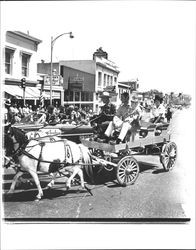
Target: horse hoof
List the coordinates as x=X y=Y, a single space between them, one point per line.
x=38 y=198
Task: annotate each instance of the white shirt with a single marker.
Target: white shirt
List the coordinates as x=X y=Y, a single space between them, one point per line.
x=158 y=111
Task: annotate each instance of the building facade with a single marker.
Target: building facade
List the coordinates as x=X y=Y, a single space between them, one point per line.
x=127 y=86
x=20 y=60
x=81 y=80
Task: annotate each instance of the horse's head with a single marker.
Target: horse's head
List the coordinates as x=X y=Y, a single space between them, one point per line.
x=8 y=144
x=18 y=136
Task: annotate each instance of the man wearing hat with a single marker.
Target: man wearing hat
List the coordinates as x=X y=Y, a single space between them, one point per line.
x=108 y=110
x=158 y=111
x=125 y=117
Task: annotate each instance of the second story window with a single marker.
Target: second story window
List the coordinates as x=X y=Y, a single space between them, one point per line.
x=8 y=61
x=104 y=80
x=111 y=80
x=99 y=78
x=108 y=81
x=115 y=80
x=25 y=64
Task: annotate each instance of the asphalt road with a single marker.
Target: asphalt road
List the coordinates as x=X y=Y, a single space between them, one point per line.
x=155 y=194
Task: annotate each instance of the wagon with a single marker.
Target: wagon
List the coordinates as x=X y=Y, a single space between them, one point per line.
x=150 y=138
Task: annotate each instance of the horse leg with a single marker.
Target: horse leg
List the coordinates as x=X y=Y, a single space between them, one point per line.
x=52 y=181
x=75 y=172
x=80 y=173
x=17 y=175
x=37 y=182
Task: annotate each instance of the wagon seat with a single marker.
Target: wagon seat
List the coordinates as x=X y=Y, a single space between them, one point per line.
x=146 y=129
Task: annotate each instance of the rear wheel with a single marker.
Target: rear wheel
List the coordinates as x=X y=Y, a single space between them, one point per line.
x=168 y=156
x=127 y=170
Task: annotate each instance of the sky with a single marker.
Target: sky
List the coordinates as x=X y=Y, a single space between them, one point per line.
x=153 y=41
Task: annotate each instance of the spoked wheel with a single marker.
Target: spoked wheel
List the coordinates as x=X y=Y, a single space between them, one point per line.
x=168 y=156
x=127 y=170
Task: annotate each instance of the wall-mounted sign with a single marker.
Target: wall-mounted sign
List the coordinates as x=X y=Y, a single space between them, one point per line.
x=76 y=83
x=56 y=80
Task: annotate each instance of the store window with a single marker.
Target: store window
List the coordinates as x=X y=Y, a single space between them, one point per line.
x=77 y=96
x=86 y=96
x=25 y=64
x=68 y=95
x=8 y=60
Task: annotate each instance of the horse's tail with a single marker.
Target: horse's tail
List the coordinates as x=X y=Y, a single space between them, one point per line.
x=86 y=159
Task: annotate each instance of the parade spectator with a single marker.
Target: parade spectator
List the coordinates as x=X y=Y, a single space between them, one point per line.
x=20 y=111
x=6 y=110
x=168 y=114
x=158 y=110
x=83 y=113
x=75 y=115
x=51 y=116
x=13 y=114
x=25 y=110
x=30 y=109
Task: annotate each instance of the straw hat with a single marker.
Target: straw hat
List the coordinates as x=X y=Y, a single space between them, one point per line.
x=134 y=98
x=8 y=102
x=105 y=94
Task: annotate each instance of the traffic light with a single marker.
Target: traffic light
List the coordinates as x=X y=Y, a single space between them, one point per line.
x=23 y=82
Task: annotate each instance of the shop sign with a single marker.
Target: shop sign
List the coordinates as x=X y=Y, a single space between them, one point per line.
x=76 y=83
x=56 y=80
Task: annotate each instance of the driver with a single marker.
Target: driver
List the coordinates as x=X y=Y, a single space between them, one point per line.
x=107 y=112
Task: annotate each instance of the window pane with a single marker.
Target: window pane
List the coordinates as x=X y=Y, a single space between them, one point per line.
x=25 y=65
x=7 y=57
x=104 y=83
x=99 y=78
x=7 y=68
x=8 y=61
x=77 y=96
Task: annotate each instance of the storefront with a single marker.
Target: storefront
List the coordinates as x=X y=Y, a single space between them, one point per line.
x=20 y=96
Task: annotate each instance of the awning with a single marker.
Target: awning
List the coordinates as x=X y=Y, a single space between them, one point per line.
x=13 y=90
x=55 y=95
x=30 y=92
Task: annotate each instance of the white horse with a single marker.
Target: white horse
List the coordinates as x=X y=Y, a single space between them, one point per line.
x=48 y=156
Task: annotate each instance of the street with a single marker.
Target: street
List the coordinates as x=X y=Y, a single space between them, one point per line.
x=155 y=194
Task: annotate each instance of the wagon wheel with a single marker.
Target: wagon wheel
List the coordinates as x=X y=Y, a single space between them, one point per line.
x=127 y=170
x=168 y=156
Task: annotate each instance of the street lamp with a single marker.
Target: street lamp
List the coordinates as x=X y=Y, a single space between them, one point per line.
x=51 y=66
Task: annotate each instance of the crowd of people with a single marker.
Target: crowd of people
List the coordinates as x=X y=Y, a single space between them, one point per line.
x=14 y=113
x=111 y=124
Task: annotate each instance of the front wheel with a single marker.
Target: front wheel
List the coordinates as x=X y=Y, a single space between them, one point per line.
x=168 y=156
x=127 y=170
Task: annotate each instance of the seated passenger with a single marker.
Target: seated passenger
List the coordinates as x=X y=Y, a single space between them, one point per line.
x=108 y=110
x=158 y=111
x=125 y=118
